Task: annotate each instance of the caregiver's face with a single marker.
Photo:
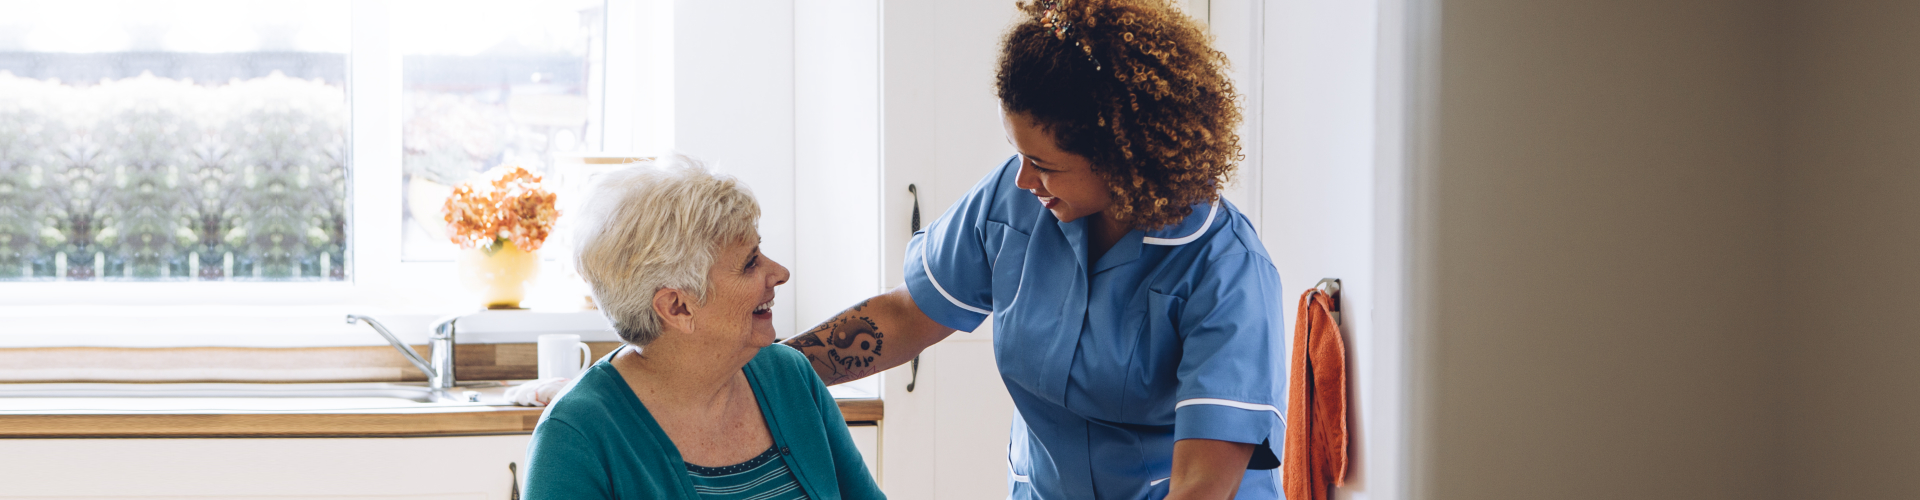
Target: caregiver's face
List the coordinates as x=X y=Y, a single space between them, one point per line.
x=1064 y=182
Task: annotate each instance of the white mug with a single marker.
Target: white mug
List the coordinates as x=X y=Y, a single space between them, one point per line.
x=556 y=351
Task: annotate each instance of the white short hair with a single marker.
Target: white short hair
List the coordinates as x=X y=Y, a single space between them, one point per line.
x=656 y=225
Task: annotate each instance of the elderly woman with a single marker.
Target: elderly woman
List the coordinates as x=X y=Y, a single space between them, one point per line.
x=699 y=403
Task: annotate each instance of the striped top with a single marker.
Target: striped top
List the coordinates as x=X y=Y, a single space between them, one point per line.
x=764 y=477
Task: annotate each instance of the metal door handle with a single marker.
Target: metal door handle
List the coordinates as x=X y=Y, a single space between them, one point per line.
x=915 y=367
x=512 y=470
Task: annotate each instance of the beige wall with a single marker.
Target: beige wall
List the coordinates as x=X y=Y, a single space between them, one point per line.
x=1605 y=249
x=1852 y=288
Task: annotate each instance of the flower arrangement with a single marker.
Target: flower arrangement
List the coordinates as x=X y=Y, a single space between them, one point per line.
x=511 y=207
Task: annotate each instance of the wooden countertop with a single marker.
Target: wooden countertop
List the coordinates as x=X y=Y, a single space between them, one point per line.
x=417 y=422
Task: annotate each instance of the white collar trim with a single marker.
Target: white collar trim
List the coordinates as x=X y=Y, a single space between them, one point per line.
x=1212 y=210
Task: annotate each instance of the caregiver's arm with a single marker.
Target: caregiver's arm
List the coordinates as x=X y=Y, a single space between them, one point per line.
x=874 y=335
x=1207 y=469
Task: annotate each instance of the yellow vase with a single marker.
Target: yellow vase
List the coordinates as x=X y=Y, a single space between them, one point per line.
x=500 y=273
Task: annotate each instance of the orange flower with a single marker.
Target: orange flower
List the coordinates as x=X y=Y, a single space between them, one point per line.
x=515 y=209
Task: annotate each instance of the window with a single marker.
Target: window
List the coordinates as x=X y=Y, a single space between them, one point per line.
x=173 y=141
x=214 y=141
x=488 y=84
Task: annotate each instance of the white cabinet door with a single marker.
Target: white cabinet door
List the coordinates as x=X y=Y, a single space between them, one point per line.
x=867 y=439
x=948 y=438
x=464 y=468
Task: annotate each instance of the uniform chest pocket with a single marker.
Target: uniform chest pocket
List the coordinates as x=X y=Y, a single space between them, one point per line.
x=1009 y=263
x=1012 y=342
x=1154 y=376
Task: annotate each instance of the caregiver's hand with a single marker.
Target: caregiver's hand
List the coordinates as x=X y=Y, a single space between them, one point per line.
x=869 y=337
x=1207 y=469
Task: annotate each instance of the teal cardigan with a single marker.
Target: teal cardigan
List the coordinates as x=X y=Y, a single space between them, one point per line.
x=598 y=441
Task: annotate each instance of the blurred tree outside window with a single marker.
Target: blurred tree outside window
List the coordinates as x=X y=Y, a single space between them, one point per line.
x=208 y=140
x=173 y=140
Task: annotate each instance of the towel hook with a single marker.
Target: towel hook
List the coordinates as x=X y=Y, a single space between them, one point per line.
x=1331 y=287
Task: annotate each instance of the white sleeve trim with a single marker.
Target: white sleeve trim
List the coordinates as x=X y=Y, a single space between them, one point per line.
x=1233 y=404
x=1211 y=211
x=943 y=291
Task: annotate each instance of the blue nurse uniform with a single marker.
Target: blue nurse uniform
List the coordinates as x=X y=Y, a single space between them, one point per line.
x=1172 y=334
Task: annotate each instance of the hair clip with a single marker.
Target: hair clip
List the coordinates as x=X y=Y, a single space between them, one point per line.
x=1050 y=19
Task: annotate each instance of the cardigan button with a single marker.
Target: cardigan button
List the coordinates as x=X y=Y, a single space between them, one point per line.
x=783 y=451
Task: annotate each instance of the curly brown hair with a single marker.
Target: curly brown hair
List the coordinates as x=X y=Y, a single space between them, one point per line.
x=1137 y=88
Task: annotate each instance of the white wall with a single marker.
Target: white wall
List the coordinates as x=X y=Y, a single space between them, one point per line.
x=642 y=82
x=733 y=105
x=1318 y=178
x=836 y=129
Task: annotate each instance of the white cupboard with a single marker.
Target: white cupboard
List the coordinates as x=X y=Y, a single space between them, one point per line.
x=465 y=468
x=414 y=468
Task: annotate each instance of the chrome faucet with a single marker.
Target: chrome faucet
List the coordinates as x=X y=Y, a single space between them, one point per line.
x=441 y=341
x=440 y=349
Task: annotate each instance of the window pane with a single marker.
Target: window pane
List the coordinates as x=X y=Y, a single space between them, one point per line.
x=173 y=140
x=490 y=83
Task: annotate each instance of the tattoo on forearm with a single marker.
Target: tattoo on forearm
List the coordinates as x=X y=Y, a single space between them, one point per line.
x=842 y=348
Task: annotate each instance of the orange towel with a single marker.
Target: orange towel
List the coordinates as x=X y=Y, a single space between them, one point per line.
x=1315 y=457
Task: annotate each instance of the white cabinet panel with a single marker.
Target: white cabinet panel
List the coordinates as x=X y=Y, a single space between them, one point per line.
x=974 y=414
x=442 y=468
x=465 y=468
x=947 y=440
x=867 y=438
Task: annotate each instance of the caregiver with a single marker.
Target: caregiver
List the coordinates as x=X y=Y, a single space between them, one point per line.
x=1136 y=314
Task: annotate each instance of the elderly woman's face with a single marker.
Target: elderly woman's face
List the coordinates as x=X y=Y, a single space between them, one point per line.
x=1064 y=182
x=740 y=299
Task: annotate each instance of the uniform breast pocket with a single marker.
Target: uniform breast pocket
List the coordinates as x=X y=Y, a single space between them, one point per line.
x=1009 y=263
x=1154 y=374
x=1010 y=346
